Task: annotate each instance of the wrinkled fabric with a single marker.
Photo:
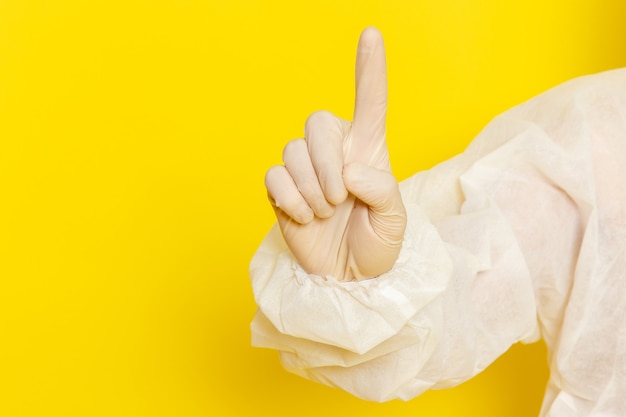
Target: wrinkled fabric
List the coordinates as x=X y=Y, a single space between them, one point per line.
x=521 y=237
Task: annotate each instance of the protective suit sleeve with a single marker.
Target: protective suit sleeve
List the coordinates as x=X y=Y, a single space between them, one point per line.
x=522 y=236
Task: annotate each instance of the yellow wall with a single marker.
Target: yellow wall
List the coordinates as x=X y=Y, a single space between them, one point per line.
x=134 y=136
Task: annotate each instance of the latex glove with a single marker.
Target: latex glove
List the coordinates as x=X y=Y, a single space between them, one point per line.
x=336 y=201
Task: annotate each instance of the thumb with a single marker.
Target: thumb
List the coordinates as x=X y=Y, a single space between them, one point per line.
x=380 y=191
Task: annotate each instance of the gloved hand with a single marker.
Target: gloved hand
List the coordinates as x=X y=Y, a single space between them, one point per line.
x=337 y=203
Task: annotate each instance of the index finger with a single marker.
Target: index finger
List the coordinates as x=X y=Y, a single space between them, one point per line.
x=370 y=108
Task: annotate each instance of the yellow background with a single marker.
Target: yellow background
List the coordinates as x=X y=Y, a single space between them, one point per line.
x=134 y=136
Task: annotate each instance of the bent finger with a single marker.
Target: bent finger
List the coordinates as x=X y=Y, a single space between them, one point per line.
x=284 y=195
x=324 y=134
x=298 y=163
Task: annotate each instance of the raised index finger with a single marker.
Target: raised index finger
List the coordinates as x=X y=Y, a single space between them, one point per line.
x=370 y=108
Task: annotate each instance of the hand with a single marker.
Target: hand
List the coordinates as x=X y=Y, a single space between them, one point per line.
x=336 y=201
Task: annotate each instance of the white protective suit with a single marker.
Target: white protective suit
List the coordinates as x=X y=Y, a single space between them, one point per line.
x=521 y=237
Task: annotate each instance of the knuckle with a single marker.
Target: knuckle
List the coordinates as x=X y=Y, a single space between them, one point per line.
x=319 y=118
x=272 y=175
x=293 y=148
